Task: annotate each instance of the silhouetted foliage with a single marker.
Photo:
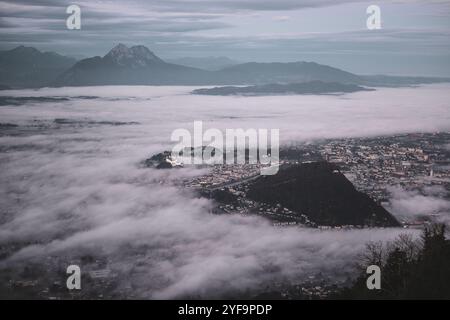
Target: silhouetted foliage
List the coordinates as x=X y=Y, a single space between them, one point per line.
x=410 y=269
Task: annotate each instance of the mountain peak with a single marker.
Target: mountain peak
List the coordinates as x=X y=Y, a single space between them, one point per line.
x=119 y=48
x=134 y=57
x=23 y=49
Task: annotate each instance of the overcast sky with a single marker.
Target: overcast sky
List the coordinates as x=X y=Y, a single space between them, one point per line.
x=414 y=39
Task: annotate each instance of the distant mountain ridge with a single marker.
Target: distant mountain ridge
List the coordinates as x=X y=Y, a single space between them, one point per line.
x=137 y=65
x=288 y=72
x=205 y=63
x=29 y=67
x=134 y=57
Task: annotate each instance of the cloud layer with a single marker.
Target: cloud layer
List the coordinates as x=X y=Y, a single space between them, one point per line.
x=411 y=205
x=71 y=190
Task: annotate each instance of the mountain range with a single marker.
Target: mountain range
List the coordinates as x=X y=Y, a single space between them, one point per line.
x=137 y=65
x=29 y=67
x=206 y=63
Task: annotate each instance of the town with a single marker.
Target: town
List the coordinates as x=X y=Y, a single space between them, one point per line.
x=411 y=161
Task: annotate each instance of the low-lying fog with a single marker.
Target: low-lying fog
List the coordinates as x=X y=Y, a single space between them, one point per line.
x=75 y=186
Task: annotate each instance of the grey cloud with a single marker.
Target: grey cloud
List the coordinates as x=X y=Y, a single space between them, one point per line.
x=413 y=204
x=201 y=28
x=76 y=191
x=202 y=5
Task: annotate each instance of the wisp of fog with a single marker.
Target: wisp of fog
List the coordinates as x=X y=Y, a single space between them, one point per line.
x=75 y=187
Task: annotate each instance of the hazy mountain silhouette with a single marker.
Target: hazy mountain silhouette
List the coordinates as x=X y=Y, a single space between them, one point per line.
x=137 y=65
x=278 y=72
x=394 y=81
x=129 y=66
x=29 y=67
x=205 y=63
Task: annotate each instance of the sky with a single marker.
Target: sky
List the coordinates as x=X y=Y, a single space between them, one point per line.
x=413 y=39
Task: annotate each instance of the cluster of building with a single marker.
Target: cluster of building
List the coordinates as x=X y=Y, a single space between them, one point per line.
x=371 y=164
x=224 y=176
x=411 y=161
x=234 y=179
